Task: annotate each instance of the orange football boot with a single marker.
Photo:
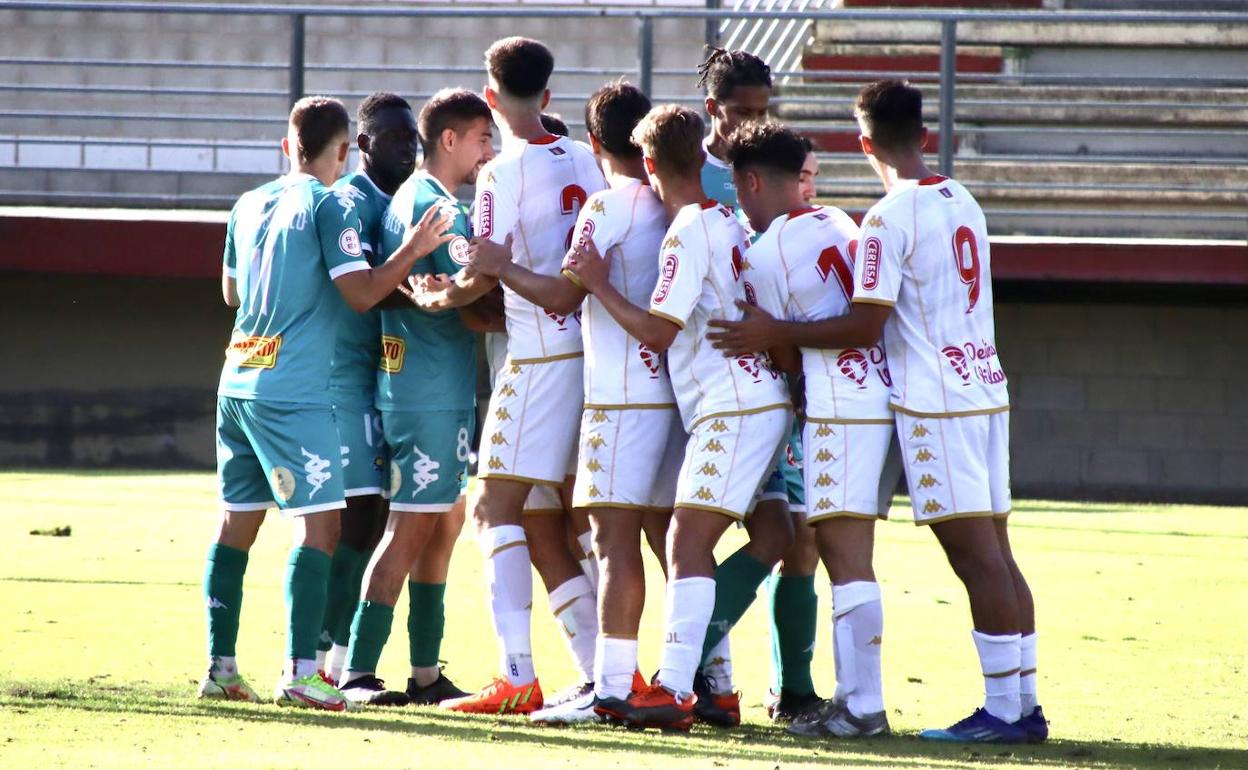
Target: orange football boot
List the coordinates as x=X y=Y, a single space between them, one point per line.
x=656 y=706
x=499 y=697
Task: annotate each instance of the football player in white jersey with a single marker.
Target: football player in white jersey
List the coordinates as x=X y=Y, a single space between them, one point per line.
x=922 y=281
x=803 y=259
x=528 y=197
x=736 y=410
x=631 y=439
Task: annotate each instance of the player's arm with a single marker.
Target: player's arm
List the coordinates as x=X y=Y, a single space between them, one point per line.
x=364 y=288
x=229 y=289
x=229 y=266
x=555 y=293
x=439 y=292
x=862 y=326
x=589 y=267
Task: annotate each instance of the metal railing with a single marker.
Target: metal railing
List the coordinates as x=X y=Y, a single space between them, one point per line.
x=778 y=30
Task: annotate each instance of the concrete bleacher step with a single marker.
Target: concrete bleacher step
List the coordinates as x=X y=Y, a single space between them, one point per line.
x=1037 y=33
x=42 y=186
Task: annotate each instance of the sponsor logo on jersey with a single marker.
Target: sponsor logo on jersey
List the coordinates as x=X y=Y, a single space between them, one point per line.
x=560 y=320
x=876 y=222
x=349 y=242
x=880 y=359
x=283 y=482
x=871 y=262
x=853 y=364
x=650 y=359
x=979 y=359
x=393 y=351
x=587 y=230
x=485 y=212
x=957 y=359
x=458 y=249
x=666 y=275
x=750 y=295
x=749 y=363
x=255 y=352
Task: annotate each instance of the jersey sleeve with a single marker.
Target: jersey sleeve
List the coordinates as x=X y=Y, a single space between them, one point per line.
x=450 y=258
x=338 y=230
x=497 y=208
x=683 y=265
x=229 y=260
x=877 y=266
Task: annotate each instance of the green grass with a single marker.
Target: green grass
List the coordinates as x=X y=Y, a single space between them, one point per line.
x=1142 y=656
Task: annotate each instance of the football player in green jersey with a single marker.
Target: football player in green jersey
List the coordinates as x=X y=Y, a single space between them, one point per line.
x=292 y=249
x=738 y=90
x=388 y=142
x=426 y=394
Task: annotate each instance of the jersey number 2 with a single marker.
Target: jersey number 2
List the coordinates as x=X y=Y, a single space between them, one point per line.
x=966 y=257
x=571 y=198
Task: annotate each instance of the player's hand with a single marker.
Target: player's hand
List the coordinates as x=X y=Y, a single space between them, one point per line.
x=755 y=332
x=589 y=268
x=432 y=231
x=489 y=258
x=428 y=292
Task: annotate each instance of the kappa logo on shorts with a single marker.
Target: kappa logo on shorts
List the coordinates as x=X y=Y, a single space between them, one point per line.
x=708 y=469
x=705 y=495
x=593 y=491
x=824 y=480
x=872 y=249
x=507 y=390
x=254 y=352
x=516 y=369
x=349 y=242
x=933 y=506
x=719 y=426
x=458 y=249
x=496 y=464
x=593 y=466
x=667 y=274
x=393 y=352
x=824 y=504
x=316 y=468
x=924 y=455
x=424 y=470
x=597 y=442
x=283 y=482
x=598 y=416
x=714 y=445
x=927 y=481
x=823 y=431
x=501 y=414
x=498 y=438
x=920 y=431
x=825 y=456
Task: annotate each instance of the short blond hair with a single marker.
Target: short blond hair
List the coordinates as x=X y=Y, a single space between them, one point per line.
x=671 y=136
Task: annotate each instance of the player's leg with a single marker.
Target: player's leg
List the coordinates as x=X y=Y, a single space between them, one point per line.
x=580 y=536
x=794 y=620
x=426 y=618
x=621 y=599
x=573 y=601
x=946 y=460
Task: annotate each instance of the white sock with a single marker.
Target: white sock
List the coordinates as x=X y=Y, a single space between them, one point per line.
x=336 y=659
x=302 y=667
x=858 y=633
x=1000 y=658
x=690 y=602
x=615 y=660
x=718 y=667
x=320 y=659
x=574 y=605
x=223 y=667
x=589 y=564
x=511 y=598
x=1027 y=676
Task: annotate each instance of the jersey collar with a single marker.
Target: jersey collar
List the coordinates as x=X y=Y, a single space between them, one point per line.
x=435 y=182
x=362 y=174
x=548 y=139
x=711 y=159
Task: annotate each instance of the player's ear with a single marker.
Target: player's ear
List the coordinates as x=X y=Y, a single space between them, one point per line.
x=363 y=142
x=594 y=144
x=286 y=148
x=712 y=107
x=491 y=98
x=865 y=143
x=343 y=149
x=446 y=141
x=545 y=98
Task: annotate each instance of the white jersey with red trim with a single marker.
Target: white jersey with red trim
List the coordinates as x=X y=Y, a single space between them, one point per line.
x=804 y=263
x=924 y=250
x=533 y=193
x=700 y=279
x=627 y=224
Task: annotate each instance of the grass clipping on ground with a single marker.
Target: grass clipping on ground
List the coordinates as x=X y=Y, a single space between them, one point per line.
x=1141 y=617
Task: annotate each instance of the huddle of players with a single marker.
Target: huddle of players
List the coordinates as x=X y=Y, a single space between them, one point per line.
x=688 y=339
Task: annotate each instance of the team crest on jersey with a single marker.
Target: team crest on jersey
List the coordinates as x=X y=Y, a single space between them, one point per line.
x=945 y=191
x=750 y=364
x=587 y=230
x=876 y=222
x=871 y=250
x=485 y=212
x=561 y=320
x=458 y=249
x=853 y=364
x=957 y=359
x=666 y=275
x=650 y=359
x=349 y=242
x=557 y=151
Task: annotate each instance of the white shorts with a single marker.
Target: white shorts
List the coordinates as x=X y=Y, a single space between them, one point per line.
x=629 y=458
x=727 y=459
x=530 y=431
x=956 y=467
x=848 y=469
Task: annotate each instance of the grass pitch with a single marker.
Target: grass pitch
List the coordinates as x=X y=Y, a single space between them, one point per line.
x=1142 y=617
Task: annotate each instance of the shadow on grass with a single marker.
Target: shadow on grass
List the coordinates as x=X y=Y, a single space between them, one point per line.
x=750 y=742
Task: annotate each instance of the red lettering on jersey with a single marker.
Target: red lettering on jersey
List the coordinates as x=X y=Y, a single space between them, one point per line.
x=872 y=249
x=485 y=214
x=737 y=262
x=879 y=358
x=831 y=262
x=571 y=198
x=964 y=246
x=666 y=275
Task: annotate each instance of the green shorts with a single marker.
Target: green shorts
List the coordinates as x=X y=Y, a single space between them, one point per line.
x=785 y=481
x=275 y=454
x=363 y=451
x=429 y=458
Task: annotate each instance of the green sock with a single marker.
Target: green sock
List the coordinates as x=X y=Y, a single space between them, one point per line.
x=369 y=632
x=794 y=618
x=307 y=581
x=223 y=595
x=736 y=583
x=425 y=622
x=342 y=594
x=342 y=634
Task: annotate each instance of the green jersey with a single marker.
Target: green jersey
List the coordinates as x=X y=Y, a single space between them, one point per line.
x=429 y=360
x=353 y=379
x=717 y=181
x=285 y=244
